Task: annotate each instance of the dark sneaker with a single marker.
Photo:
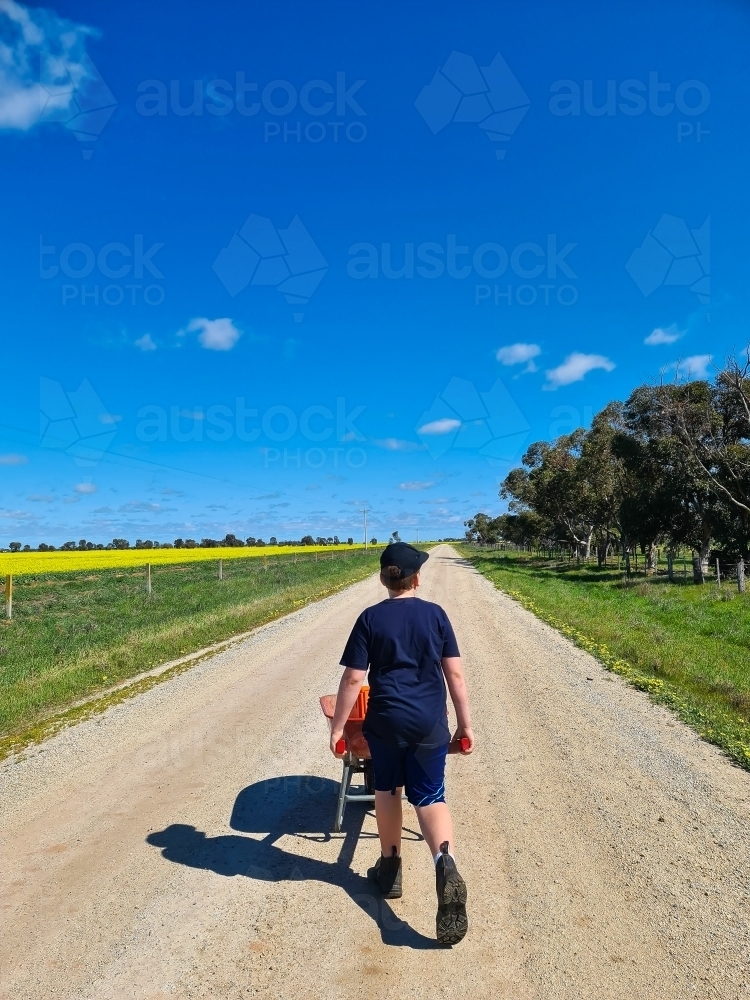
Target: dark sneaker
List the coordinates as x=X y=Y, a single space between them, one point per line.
x=452 y=922
x=386 y=874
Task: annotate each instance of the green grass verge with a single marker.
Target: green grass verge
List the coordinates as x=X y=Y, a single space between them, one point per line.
x=687 y=646
x=75 y=635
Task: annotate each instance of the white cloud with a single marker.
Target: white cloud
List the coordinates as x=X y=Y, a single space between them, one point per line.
x=13 y=459
x=86 y=488
x=215 y=334
x=518 y=354
x=664 y=335
x=31 y=36
x=146 y=342
x=443 y=426
x=416 y=485
x=40 y=498
x=575 y=368
x=695 y=366
x=396 y=444
x=141 y=507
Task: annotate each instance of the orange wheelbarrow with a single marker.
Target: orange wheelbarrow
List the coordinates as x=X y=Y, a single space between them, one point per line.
x=356 y=755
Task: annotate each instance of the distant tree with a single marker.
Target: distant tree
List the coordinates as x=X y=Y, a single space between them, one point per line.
x=330 y=541
x=350 y=541
x=373 y=541
x=483 y=529
x=68 y=546
x=166 y=545
x=232 y=541
x=15 y=546
x=250 y=540
x=190 y=543
x=260 y=542
x=43 y=547
x=272 y=540
x=394 y=537
x=336 y=540
x=209 y=543
x=82 y=545
x=27 y=548
x=178 y=543
x=307 y=540
x=120 y=543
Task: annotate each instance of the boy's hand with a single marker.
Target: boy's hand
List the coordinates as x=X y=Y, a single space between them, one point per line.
x=336 y=735
x=468 y=733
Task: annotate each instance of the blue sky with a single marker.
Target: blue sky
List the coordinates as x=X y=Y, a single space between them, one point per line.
x=263 y=267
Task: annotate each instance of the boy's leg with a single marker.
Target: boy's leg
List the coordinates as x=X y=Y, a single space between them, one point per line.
x=388 y=815
x=437 y=826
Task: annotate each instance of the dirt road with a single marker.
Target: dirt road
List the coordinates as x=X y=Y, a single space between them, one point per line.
x=179 y=845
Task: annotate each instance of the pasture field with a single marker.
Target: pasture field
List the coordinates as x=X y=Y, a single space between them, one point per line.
x=688 y=646
x=27 y=563
x=78 y=633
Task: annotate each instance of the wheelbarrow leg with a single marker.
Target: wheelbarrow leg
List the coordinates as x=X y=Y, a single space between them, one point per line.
x=341 y=804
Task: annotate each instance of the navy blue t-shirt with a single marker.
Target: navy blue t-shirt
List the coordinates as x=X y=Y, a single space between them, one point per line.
x=402 y=640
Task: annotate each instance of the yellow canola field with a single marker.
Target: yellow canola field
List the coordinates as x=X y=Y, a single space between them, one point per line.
x=27 y=563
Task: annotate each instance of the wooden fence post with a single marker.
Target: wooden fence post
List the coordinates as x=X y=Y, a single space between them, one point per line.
x=741 y=576
x=718 y=572
x=9 y=595
x=148 y=578
x=221 y=569
x=670 y=567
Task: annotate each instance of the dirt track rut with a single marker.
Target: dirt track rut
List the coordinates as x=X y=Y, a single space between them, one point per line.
x=179 y=845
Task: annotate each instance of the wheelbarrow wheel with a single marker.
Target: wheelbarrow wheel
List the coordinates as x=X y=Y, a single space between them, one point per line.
x=369 y=778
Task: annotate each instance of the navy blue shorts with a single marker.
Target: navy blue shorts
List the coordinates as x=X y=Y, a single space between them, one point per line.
x=420 y=770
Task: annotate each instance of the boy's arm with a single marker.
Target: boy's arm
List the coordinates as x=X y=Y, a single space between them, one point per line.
x=454 y=678
x=349 y=687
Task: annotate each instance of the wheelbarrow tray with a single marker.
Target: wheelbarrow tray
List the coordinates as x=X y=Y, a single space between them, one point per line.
x=356 y=760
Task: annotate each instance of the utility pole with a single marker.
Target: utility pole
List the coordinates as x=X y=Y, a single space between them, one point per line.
x=364 y=515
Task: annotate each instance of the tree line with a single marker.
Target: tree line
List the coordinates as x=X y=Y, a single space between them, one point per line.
x=229 y=541
x=669 y=467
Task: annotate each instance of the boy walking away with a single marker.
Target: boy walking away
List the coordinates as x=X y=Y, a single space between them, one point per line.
x=411 y=652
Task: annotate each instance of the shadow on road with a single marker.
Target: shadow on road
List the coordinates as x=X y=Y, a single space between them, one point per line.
x=292 y=806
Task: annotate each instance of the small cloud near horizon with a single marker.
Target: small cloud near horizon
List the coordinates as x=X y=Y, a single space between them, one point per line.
x=417 y=485
x=664 y=335
x=518 y=354
x=145 y=343
x=695 y=366
x=575 y=368
x=443 y=426
x=86 y=489
x=13 y=459
x=215 y=334
x=396 y=444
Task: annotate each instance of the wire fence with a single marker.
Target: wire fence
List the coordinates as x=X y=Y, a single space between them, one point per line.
x=673 y=566
x=218 y=567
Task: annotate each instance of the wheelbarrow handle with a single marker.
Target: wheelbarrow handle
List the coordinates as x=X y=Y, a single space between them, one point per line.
x=462 y=745
x=341 y=745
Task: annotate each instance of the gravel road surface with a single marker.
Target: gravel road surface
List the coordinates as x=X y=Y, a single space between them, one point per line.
x=179 y=845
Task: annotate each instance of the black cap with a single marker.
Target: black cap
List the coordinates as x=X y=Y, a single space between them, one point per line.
x=408 y=559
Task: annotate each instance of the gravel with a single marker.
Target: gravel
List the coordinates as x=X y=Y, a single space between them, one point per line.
x=178 y=845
